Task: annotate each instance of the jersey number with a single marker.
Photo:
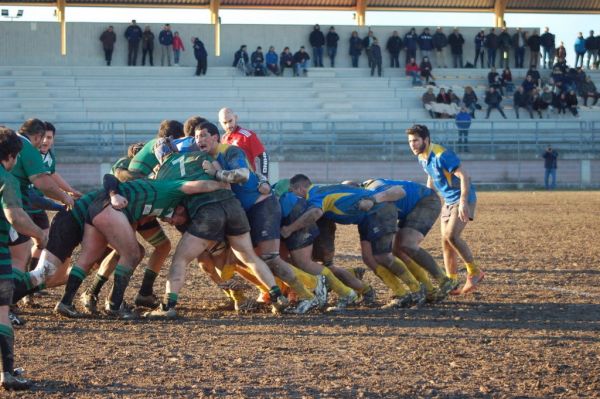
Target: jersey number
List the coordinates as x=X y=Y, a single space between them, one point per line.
x=181 y=165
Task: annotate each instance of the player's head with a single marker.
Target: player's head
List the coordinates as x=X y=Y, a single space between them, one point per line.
x=189 y=126
x=163 y=148
x=418 y=138
x=207 y=137
x=351 y=183
x=10 y=146
x=34 y=129
x=371 y=184
x=228 y=120
x=48 y=140
x=299 y=184
x=170 y=128
x=134 y=149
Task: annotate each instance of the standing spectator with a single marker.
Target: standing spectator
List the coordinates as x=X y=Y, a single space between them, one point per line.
x=108 y=39
x=413 y=70
x=355 y=48
x=588 y=89
x=165 y=38
x=301 y=61
x=534 y=43
x=572 y=103
x=241 y=60
x=479 y=47
x=592 y=45
x=548 y=43
x=426 y=69
x=394 y=46
x=331 y=41
x=470 y=100
x=507 y=81
x=272 y=61
x=201 y=56
x=550 y=164
x=376 y=58
x=463 y=124
x=286 y=60
x=521 y=99
x=317 y=41
x=367 y=43
x=440 y=41
x=257 y=59
x=494 y=101
x=504 y=45
x=133 y=34
x=561 y=54
x=580 y=49
x=410 y=42
x=491 y=46
x=177 y=48
x=425 y=43
x=147 y=46
x=456 y=42
x=519 y=41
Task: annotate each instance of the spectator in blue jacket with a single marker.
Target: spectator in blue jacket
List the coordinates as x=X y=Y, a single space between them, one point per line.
x=165 y=38
x=410 y=42
x=201 y=56
x=479 y=47
x=580 y=49
x=425 y=43
x=463 y=124
x=133 y=34
x=355 y=48
x=286 y=60
x=271 y=59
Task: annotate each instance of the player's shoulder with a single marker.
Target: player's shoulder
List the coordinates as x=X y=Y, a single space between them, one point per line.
x=245 y=132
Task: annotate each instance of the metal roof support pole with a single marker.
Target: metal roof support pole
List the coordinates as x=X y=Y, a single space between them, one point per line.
x=216 y=21
x=361 y=11
x=499 y=9
x=60 y=13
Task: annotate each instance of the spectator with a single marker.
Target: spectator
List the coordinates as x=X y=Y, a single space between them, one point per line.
x=560 y=102
x=521 y=99
x=528 y=84
x=538 y=103
x=108 y=39
x=413 y=70
x=494 y=80
x=504 y=45
x=410 y=42
x=548 y=43
x=491 y=46
x=534 y=43
x=463 y=124
x=561 y=54
x=592 y=45
x=549 y=100
x=133 y=34
x=257 y=59
x=425 y=43
x=286 y=60
x=561 y=63
x=456 y=42
x=571 y=99
x=535 y=75
x=426 y=69
x=394 y=46
x=440 y=41
x=165 y=38
x=443 y=97
x=272 y=61
x=479 y=47
x=367 y=43
x=317 y=41
x=331 y=41
x=301 y=61
x=580 y=49
x=550 y=163
x=147 y=46
x=177 y=48
x=355 y=48
x=376 y=58
x=453 y=97
x=493 y=99
x=201 y=56
x=519 y=41
x=428 y=99
x=558 y=80
x=579 y=78
x=588 y=89
x=241 y=60
x=470 y=100
x=507 y=81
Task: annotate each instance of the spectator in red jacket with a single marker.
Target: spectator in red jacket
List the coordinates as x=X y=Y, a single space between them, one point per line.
x=177 y=47
x=413 y=70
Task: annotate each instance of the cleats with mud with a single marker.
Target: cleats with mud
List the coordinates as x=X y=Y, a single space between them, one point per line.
x=14 y=383
x=66 y=310
x=161 y=312
x=343 y=303
x=89 y=302
x=146 y=301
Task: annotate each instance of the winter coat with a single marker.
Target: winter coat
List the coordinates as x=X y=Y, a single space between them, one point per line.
x=470 y=98
x=521 y=99
x=425 y=42
x=178 y=44
x=133 y=33
x=355 y=45
x=316 y=38
x=463 y=120
x=332 y=39
x=240 y=55
x=376 y=53
x=108 y=39
x=440 y=40
x=300 y=57
x=456 y=42
x=443 y=98
x=493 y=99
x=394 y=45
x=428 y=97
x=548 y=41
x=199 y=50
x=592 y=43
x=412 y=68
x=271 y=58
x=286 y=58
x=587 y=87
x=580 y=45
x=491 y=41
x=410 y=41
x=515 y=39
x=479 y=41
x=147 y=40
x=165 y=37
x=504 y=40
x=257 y=58
x=534 y=43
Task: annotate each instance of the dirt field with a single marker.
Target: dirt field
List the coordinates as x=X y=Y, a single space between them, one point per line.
x=533 y=329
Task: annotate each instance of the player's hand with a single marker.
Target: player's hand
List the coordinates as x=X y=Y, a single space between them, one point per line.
x=69 y=202
x=209 y=168
x=366 y=204
x=117 y=201
x=75 y=194
x=264 y=188
x=285 y=231
x=463 y=212
x=41 y=242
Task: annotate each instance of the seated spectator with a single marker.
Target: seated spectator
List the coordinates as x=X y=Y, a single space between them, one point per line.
x=463 y=123
x=271 y=59
x=413 y=70
x=426 y=69
x=522 y=99
x=258 y=62
x=528 y=84
x=535 y=75
x=548 y=98
x=557 y=80
x=427 y=99
x=579 y=77
x=537 y=103
x=438 y=110
x=494 y=101
x=560 y=103
x=443 y=97
x=301 y=61
x=562 y=65
x=470 y=100
x=286 y=60
x=495 y=81
x=588 y=90
x=241 y=60
x=453 y=97
x=507 y=81
x=571 y=99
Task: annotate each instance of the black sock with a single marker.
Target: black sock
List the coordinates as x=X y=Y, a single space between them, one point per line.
x=98 y=283
x=274 y=293
x=7 y=343
x=171 y=300
x=148 y=282
x=76 y=277
x=121 y=281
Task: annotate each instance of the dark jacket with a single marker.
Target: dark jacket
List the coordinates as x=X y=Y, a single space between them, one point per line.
x=521 y=99
x=534 y=42
x=410 y=41
x=394 y=45
x=355 y=45
x=367 y=41
x=316 y=38
x=470 y=98
x=504 y=40
x=425 y=68
x=592 y=43
x=300 y=57
x=332 y=38
x=571 y=100
x=165 y=37
x=108 y=39
x=493 y=99
x=515 y=39
x=284 y=58
x=148 y=41
x=440 y=40
x=133 y=33
x=491 y=41
x=425 y=42
x=257 y=58
x=240 y=54
x=535 y=74
x=443 y=98
x=479 y=41
x=550 y=158
x=587 y=87
x=199 y=50
x=456 y=42
x=376 y=53
x=548 y=41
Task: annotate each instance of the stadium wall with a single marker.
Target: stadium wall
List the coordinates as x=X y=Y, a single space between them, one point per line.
x=38 y=43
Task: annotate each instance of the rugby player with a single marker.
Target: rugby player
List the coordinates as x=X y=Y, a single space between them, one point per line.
x=12 y=214
x=446 y=174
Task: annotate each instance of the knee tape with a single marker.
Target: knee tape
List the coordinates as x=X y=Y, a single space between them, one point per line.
x=270 y=258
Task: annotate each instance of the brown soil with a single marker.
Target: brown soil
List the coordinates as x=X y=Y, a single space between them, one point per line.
x=532 y=330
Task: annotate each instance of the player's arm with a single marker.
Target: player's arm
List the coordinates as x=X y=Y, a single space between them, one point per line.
x=430 y=183
x=465 y=185
x=392 y=194
x=263 y=164
x=62 y=183
x=309 y=217
x=203 y=186
x=21 y=222
x=127 y=175
x=48 y=186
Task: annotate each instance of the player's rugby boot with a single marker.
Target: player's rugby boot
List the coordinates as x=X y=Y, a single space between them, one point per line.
x=146 y=301
x=344 y=302
x=399 y=302
x=14 y=383
x=66 y=310
x=90 y=302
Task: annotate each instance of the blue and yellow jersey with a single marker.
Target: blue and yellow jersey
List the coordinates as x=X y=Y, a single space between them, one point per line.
x=414 y=193
x=440 y=163
x=292 y=207
x=231 y=157
x=339 y=202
